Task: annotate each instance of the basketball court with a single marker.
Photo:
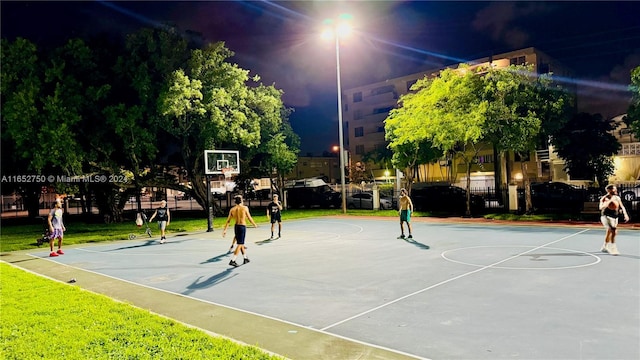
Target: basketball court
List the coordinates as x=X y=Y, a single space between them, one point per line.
x=455 y=291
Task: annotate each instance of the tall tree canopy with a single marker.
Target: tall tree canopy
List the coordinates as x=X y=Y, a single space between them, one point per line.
x=135 y=107
x=208 y=104
x=633 y=114
x=587 y=147
x=448 y=111
x=523 y=108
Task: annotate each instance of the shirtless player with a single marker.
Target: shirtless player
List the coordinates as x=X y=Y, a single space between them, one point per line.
x=239 y=213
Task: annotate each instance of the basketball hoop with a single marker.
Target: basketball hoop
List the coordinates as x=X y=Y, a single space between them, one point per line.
x=227 y=171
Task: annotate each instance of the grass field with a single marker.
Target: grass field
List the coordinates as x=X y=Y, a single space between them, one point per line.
x=45 y=319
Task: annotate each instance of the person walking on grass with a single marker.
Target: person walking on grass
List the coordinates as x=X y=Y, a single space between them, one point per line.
x=164 y=218
x=610 y=208
x=56 y=228
x=239 y=213
x=274 y=214
x=405 y=208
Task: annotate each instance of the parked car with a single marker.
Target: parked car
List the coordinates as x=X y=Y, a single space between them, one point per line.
x=557 y=196
x=444 y=198
x=630 y=193
x=312 y=193
x=364 y=200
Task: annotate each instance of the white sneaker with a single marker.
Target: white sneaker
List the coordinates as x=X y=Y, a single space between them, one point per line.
x=613 y=250
x=605 y=248
x=162 y=241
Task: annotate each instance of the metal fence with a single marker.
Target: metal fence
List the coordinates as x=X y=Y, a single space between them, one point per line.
x=494 y=201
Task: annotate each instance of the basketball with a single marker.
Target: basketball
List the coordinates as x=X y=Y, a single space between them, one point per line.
x=613 y=205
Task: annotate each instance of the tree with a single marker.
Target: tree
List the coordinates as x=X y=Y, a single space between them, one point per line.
x=587 y=147
x=448 y=111
x=44 y=99
x=133 y=138
x=519 y=102
x=633 y=113
x=409 y=155
x=208 y=105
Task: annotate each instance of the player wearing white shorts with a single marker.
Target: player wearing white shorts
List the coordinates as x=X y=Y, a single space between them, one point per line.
x=610 y=207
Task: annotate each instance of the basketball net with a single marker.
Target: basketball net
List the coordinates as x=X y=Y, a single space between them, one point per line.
x=226 y=172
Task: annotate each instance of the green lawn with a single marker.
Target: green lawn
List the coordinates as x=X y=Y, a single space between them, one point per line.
x=45 y=319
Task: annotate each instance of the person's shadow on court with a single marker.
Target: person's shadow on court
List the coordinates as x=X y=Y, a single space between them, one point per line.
x=146 y=243
x=417 y=244
x=266 y=241
x=216 y=258
x=207 y=283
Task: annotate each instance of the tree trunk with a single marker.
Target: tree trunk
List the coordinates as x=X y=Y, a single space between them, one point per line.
x=527 y=187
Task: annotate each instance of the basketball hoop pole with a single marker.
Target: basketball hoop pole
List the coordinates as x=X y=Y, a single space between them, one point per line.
x=209 y=206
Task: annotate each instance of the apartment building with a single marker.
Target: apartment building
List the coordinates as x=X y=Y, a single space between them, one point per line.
x=366 y=107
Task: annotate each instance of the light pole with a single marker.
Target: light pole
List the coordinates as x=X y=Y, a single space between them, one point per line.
x=340 y=29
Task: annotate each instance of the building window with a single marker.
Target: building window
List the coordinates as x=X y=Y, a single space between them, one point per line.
x=357 y=115
x=359 y=131
x=357 y=97
x=485 y=159
x=383 y=110
x=630 y=149
x=359 y=149
x=520 y=60
x=382 y=90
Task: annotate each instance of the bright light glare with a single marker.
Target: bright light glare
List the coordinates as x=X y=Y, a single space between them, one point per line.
x=327 y=34
x=343 y=29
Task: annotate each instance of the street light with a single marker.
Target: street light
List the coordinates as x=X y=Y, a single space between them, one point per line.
x=335 y=30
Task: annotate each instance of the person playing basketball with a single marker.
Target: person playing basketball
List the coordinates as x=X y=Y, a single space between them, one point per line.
x=239 y=213
x=405 y=209
x=610 y=207
x=274 y=214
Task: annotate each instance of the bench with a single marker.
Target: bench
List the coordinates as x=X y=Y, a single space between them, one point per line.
x=590 y=208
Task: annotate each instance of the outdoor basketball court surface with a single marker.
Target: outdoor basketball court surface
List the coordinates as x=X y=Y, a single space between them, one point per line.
x=455 y=291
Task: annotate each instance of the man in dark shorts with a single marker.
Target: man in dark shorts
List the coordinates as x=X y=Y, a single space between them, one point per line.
x=239 y=213
x=274 y=214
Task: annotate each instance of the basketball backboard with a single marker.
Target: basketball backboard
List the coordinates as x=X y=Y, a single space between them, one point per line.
x=221 y=162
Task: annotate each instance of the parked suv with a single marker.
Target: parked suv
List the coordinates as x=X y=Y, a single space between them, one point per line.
x=445 y=198
x=312 y=193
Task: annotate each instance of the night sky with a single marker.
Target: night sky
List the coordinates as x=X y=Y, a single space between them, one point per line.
x=280 y=41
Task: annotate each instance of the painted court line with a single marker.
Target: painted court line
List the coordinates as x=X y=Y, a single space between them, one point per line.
x=448 y=281
x=222 y=306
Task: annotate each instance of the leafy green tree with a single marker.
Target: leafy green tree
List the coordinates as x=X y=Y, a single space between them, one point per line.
x=208 y=105
x=519 y=102
x=448 y=111
x=44 y=99
x=587 y=147
x=633 y=113
x=133 y=138
x=409 y=155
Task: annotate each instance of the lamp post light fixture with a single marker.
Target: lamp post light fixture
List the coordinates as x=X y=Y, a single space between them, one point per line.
x=336 y=29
